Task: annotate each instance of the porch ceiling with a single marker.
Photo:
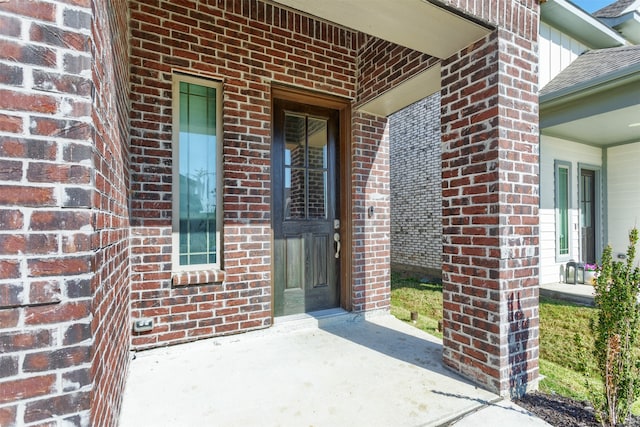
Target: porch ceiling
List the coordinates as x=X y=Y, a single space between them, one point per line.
x=406 y=93
x=604 y=129
x=416 y=24
x=602 y=114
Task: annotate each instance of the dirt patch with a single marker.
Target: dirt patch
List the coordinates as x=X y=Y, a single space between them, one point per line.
x=562 y=411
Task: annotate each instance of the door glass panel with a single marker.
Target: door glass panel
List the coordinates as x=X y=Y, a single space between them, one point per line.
x=317 y=143
x=586 y=207
x=305 y=167
x=295 y=140
x=317 y=194
x=294 y=193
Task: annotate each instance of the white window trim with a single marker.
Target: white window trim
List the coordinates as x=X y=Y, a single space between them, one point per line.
x=175 y=221
x=566 y=165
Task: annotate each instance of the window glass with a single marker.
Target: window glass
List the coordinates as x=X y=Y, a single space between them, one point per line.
x=196 y=152
x=562 y=209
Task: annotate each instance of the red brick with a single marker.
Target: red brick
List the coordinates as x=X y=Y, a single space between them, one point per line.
x=59 y=266
x=9 y=269
x=9 y=318
x=47 y=172
x=60 y=220
x=33 y=149
x=11 y=295
x=12 y=342
x=26 y=196
x=71 y=129
x=54 y=36
x=58 y=313
x=11 y=124
x=28 y=54
x=12 y=244
x=15 y=101
x=8 y=416
x=26 y=388
x=52 y=360
x=75 y=380
x=34 y=9
x=45 y=292
x=77 y=333
x=44 y=409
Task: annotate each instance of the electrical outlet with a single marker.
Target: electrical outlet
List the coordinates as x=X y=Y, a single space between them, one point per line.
x=143 y=325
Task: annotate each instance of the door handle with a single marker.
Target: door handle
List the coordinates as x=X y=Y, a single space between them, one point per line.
x=336 y=238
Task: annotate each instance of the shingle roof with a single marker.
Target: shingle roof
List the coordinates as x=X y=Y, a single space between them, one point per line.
x=593 y=64
x=613 y=10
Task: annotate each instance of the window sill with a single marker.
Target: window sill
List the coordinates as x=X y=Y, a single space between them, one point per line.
x=198 y=277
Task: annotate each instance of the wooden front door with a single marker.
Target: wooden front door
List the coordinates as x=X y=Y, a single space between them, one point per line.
x=305 y=208
x=588 y=215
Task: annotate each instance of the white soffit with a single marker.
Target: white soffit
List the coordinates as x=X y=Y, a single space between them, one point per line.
x=406 y=93
x=415 y=24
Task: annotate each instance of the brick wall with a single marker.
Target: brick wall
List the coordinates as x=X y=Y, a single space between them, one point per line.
x=383 y=64
x=110 y=241
x=45 y=248
x=519 y=17
x=248 y=45
x=371 y=213
x=63 y=202
x=51 y=237
x=416 y=190
x=490 y=212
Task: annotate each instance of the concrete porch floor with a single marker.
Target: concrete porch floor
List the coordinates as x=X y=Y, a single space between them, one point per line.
x=578 y=294
x=334 y=369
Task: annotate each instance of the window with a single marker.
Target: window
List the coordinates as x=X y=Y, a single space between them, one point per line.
x=563 y=202
x=197 y=199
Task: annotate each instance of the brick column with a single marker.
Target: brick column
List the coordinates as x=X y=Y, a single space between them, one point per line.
x=490 y=212
x=64 y=318
x=371 y=213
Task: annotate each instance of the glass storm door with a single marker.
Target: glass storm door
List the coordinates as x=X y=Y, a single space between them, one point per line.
x=304 y=206
x=587 y=215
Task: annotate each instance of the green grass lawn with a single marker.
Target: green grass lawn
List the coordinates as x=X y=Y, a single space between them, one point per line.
x=409 y=295
x=564 y=361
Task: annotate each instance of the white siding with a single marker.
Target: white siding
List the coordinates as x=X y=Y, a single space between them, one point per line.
x=557 y=50
x=623 y=190
x=552 y=149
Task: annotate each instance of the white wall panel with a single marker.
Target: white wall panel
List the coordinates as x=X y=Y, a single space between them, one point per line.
x=552 y=149
x=556 y=51
x=623 y=185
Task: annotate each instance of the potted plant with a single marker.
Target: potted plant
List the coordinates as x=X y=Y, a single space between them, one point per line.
x=590 y=273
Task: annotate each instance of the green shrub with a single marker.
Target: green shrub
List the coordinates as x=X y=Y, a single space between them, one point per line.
x=616 y=333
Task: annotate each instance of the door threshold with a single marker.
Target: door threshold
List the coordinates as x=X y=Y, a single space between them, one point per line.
x=314 y=319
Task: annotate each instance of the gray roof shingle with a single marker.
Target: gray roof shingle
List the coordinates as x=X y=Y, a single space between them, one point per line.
x=613 y=10
x=593 y=64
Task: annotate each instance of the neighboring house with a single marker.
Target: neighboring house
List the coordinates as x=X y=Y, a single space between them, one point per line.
x=590 y=133
x=416 y=188
x=589 y=145
x=178 y=170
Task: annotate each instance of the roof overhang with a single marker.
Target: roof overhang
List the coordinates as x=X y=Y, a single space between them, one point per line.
x=416 y=24
x=406 y=93
x=628 y=25
x=600 y=112
x=580 y=25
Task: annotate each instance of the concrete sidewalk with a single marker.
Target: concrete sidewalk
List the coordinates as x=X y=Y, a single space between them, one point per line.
x=333 y=370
